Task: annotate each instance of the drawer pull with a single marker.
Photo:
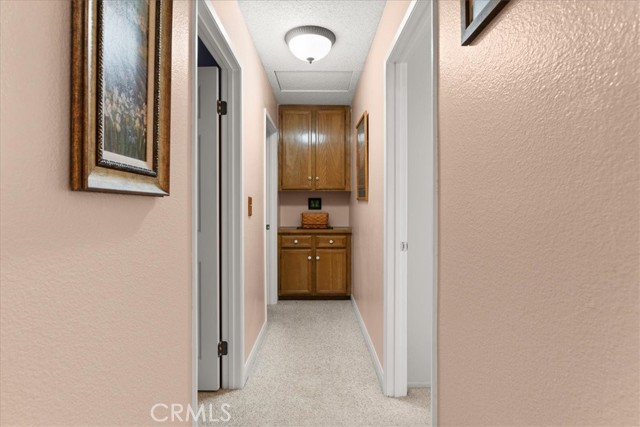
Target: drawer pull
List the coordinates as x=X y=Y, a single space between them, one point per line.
x=295 y=242
x=331 y=242
x=309 y=257
x=317 y=258
x=309 y=178
x=317 y=178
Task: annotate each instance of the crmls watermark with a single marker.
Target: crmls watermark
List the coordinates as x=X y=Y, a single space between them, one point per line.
x=162 y=412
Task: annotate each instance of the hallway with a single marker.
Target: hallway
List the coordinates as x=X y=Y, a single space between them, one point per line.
x=314 y=369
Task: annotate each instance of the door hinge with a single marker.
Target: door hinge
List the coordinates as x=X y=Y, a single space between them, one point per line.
x=222 y=348
x=222 y=108
x=404 y=246
x=268 y=227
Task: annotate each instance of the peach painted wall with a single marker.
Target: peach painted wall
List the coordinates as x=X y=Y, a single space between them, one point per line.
x=367 y=217
x=293 y=203
x=539 y=131
x=256 y=96
x=96 y=288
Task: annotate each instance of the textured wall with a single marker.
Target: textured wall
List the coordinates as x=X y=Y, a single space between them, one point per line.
x=292 y=204
x=367 y=217
x=256 y=96
x=538 y=292
x=96 y=288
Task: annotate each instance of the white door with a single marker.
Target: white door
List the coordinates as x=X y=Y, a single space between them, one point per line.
x=208 y=231
x=271 y=209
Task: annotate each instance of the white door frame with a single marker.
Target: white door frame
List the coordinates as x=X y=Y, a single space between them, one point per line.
x=208 y=205
x=271 y=218
x=418 y=14
x=209 y=28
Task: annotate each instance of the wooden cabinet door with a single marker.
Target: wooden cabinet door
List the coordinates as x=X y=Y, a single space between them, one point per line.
x=295 y=272
x=331 y=271
x=296 y=164
x=331 y=154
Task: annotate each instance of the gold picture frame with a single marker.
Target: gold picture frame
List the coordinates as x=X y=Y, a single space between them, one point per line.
x=362 y=157
x=121 y=96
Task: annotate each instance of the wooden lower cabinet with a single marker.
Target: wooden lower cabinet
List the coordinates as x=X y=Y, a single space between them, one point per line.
x=331 y=271
x=295 y=272
x=314 y=264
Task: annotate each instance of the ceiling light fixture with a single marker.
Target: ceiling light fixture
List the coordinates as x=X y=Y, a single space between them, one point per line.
x=310 y=43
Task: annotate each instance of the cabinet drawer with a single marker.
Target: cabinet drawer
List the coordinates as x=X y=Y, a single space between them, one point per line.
x=331 y=241
x=295 y=241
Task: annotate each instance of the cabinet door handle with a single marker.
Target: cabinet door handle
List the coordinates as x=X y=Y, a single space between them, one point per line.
x=331 y=242
x=309 y=257
x=317 y=178
x=317 y=258
x=309 y=178
x=295 y=242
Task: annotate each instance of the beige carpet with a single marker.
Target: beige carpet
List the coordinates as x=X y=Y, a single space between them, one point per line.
x=314 y=369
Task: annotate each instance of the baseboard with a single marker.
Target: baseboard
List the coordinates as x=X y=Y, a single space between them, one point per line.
x=418 y=385
x=248 y=366
x=372 y=351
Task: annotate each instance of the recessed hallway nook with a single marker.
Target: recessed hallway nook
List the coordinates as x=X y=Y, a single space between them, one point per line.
x=314 y=369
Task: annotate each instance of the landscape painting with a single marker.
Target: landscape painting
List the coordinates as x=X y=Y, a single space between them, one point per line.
x=121 y=95
x=125 y=62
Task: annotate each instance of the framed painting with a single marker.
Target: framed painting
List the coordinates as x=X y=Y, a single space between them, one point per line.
x=121 y=96
x=362 y=157
x=476 y=15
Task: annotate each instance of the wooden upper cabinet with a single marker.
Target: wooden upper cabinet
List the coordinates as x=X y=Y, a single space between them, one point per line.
x=331 y=149
x=314 y=148
x=296 y=150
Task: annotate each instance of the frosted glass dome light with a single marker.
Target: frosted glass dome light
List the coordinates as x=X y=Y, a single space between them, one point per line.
x=310 y=43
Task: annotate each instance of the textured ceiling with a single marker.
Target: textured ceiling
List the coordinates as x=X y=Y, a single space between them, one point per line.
x=331 y=80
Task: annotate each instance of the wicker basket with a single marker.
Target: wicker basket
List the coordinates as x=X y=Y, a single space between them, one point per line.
x=315 y=220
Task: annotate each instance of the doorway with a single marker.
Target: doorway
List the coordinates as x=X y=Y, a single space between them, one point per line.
x=411 y=206
x=271 y=209
x=208 y=223
x=230 y=206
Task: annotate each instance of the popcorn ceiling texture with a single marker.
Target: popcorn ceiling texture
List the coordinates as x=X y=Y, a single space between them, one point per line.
x=539 y=131
x=353 y=23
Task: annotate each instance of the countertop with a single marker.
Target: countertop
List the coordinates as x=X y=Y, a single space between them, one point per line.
x=295 y=230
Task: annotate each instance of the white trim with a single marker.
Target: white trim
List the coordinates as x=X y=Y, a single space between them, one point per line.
x=418 y=385
x=249 y=365
x=209 y=28
x=395 y=297
x=372 y=350
x=394 y=357
x=193 y=49
x=401 y=195
x=436 y=219
x=389 y=243
x=271 y=236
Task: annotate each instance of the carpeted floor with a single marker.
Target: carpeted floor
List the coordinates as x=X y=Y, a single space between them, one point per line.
x=314 y=369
